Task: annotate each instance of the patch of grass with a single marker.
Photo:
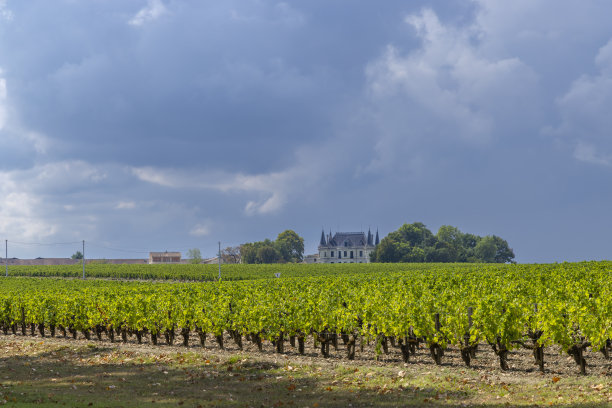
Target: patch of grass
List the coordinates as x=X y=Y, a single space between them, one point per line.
x=235 y=359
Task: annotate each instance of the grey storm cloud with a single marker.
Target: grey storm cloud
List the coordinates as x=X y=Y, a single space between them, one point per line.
x=173 y=123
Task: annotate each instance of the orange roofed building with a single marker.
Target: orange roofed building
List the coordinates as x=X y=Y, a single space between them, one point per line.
x=164 y=257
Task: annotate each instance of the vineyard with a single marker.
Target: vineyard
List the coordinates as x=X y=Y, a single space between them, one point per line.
x=565 y=306
x=204 y=273
x=233 y=272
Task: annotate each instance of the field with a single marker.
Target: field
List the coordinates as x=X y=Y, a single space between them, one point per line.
x=233 y=272
x=388 y=335
x=230 y=272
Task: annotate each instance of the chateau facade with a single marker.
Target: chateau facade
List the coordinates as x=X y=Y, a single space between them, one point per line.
x=346 y=247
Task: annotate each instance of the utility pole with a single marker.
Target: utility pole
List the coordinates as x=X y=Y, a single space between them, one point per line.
x=219 y=260
x=83 y=259
x=6 y=255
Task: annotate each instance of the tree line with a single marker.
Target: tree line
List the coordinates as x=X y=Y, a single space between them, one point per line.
x=410 y=243
x=288 y=247
x=416 y=243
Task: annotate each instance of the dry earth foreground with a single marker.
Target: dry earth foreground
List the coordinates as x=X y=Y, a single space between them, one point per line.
x=36 y=371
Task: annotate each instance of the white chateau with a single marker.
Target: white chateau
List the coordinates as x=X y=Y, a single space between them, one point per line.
x=346 y=247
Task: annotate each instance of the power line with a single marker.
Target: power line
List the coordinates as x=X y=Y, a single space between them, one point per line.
x=178 y=248
x=130 y=251
x=137 y=251
x=45 y=243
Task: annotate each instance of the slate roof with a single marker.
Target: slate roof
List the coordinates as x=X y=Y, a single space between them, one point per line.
x=352 y=239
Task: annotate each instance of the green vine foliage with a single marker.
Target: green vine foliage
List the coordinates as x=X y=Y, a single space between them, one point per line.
x=568 y=304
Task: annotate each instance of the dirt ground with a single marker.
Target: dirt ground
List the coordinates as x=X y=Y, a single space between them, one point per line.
x=520 y=360
x=51 y=371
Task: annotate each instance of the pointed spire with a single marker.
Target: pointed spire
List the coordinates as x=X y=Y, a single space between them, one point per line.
x=377 y=240
x=369 y=237
x=323 y=242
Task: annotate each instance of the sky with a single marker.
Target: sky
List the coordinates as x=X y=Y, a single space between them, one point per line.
x=152 y=125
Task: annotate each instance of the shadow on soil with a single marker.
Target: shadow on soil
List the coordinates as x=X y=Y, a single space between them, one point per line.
x=39 y=374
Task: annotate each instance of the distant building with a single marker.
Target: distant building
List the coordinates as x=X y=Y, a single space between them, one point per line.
x=309 y=259
x=346 y=247
x=213 y=260
x=164 y=257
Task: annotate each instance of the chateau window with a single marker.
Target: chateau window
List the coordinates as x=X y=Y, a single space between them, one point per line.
x=345 y=254
x=339 y=255
x=332 y=254
x=361 y=254
x=351 y=254
x=325 y=254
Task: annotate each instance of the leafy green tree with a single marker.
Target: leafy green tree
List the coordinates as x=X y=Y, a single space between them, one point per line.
x=469 y=240
x=268 y=254
x=386 y=251
x=415 y=234
x=290 y=245
x=393 y=251
x=466 y=250
x=416 y=255
x=248 y=253
x=503 y=253
x=486 y=249
x=251 y=254
x=441 y=252
x=415 y=243
x=77 y=255
x=450 y=235
x=407 y=244
x=194 y=255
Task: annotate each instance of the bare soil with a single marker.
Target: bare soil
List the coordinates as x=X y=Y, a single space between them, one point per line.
x=40 y=371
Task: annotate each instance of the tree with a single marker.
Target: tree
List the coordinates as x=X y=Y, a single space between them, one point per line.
x=450 y=235
x=503 y=251
x=494 y=249
x=416 y=255
x=415 y=243
x=396 y=251
x=77 y=255
x=386 y=251
x=268 y=254
x=252 y=253
x=486 y=249
x=248 y=253
x=469 y=240
x=407 y=244
x=441 y=252
x=195 y=256
x=416 y=234
x=231 y=255
x=290 y=245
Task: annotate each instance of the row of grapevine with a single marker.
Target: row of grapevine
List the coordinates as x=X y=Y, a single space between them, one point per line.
x=191 y=272
x=532 y=307
x=210 y=272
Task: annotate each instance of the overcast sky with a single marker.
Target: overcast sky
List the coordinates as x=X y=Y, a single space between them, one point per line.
x=172 y=124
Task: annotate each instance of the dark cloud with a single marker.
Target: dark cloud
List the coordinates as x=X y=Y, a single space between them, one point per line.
x=250 y=79
x=155 y=123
